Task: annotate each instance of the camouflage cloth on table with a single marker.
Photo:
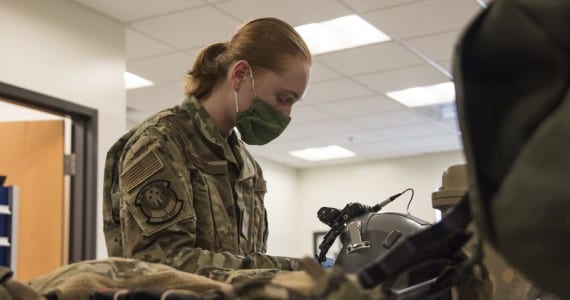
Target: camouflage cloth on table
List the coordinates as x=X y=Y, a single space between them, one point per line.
x=13 y=289
x=127 y=277
x=79 y=280
x=84 y=279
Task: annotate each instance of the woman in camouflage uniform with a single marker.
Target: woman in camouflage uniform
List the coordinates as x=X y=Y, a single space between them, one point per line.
x=181 y=188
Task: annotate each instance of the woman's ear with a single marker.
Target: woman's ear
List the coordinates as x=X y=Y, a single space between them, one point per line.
x=239 y=71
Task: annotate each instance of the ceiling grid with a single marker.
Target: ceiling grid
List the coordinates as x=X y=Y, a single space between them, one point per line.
x=346 y=103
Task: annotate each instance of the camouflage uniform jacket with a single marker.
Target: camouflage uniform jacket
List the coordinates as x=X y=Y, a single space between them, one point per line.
x=179 y=193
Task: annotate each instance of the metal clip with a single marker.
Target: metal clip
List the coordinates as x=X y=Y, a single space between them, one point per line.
x=355 y=242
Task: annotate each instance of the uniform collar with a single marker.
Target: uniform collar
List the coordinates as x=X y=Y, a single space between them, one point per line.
x=205 y=124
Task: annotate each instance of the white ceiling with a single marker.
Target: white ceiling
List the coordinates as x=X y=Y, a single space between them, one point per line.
x=346 y=103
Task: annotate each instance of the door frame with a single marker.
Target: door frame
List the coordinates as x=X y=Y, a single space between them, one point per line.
x=83 y=200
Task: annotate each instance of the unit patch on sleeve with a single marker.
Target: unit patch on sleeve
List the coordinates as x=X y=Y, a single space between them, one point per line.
x=158 y=202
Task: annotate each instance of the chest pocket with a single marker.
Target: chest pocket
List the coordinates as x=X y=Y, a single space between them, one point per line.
x=253 y=221
x=213 y=204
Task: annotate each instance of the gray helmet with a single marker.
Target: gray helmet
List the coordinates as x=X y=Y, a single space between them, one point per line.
x=372 y=235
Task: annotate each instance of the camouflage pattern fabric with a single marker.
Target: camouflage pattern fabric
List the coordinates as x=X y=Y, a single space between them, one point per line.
x=12 y=289
x=80 y=280
x=509 y=283
x=121 y=276
x=179 y=193
x=129 y=277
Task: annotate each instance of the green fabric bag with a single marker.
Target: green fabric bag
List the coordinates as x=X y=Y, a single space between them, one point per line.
x=512 y=75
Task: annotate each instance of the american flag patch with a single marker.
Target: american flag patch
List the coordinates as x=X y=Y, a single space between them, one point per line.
x=141 y=170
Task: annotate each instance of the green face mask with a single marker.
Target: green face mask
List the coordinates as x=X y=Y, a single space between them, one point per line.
x=260 y=123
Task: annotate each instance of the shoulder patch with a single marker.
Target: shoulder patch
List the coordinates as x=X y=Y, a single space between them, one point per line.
x=158 y=202
x=141 y=170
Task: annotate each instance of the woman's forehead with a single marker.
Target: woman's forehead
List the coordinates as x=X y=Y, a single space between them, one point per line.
x=293 y=78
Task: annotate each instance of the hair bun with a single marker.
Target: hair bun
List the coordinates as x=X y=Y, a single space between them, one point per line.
x=208 y=61
x=213 y=51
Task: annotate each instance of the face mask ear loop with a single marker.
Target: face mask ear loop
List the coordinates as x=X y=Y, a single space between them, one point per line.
x=236 y=101
x=252 y=82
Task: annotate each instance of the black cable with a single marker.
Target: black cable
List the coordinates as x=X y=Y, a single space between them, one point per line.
x=411 y=198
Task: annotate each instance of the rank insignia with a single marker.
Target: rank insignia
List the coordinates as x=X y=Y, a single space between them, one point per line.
x=158 y=202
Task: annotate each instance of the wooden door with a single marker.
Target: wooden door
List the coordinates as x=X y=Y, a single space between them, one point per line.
x=31 y=156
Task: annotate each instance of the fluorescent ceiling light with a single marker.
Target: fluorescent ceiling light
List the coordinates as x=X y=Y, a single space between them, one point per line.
x=323 y=153
x=340 y=33
x=425 y=95
x=133 y=81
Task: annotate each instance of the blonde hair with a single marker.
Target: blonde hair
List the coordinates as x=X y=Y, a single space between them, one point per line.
x=265 y=43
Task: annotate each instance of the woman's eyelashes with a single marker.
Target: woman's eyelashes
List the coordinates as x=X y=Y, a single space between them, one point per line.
x=285 y=100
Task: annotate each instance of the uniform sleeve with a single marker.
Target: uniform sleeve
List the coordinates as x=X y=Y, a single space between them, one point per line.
x=157 y=212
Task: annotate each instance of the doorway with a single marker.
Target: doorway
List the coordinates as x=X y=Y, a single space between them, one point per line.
x=32 y=158
x=69 y=226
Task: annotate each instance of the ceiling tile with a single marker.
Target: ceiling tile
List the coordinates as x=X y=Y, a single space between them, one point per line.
x=345 y=104
x=289 y=160
x=348 y=139
x=187 y=29
x=372 y=58
x=361 y=6
x=152 y=99
x=307 y=114
x=284 y=146
x=423 y=17
x=320 y=72
x=435 y=47
x=322 y=128
x=451 y=124
x=288 y=134
x=386 y=120
x=139 y=46
x=328 y=91
x=162 y=69
x=446 y=65
x=130 y=10
x=445 y=142
x=411 y=131
x=438 y=112
x=359 y=106
x=381 y=150
x=392 y=154
x=336 y=162
x=402 y=78
x=194 y=52
x=262 y=151
x=294 y=12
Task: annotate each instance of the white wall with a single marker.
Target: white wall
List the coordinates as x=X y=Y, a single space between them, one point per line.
x=368 y=183
x=67 y=51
